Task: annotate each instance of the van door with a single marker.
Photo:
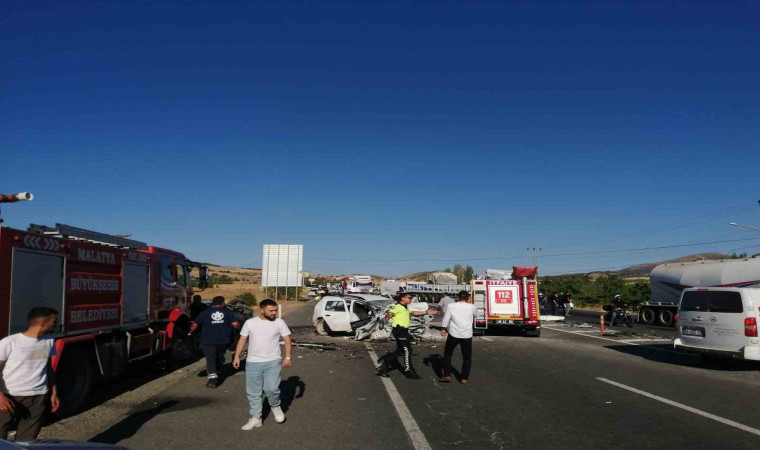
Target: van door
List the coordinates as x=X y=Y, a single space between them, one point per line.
x=692 y=317
x=725 y=321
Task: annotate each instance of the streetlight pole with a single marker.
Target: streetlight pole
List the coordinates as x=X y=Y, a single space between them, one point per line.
x=734 y=224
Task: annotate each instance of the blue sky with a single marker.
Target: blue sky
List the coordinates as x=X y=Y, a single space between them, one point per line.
x=387 y=137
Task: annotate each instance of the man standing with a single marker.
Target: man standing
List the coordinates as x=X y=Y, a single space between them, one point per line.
x=26 y=376
x=400 y=331
x=196 y=307
x=262 y=366
x=445 y=301
x=458 y=321
x=216 y=334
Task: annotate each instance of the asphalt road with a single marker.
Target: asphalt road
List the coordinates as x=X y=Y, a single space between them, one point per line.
x=570 y=388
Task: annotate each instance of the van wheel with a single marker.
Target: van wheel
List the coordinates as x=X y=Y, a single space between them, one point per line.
x=322 y=328
x=74 y=380
x=648 y=316
x=666 y=317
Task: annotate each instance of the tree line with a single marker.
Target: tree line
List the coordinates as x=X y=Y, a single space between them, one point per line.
x=599 y=290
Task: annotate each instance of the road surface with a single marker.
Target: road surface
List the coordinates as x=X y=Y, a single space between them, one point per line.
x=570 y=388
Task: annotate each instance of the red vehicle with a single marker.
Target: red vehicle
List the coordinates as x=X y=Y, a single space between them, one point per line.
x=120 y=300
x=512 y=302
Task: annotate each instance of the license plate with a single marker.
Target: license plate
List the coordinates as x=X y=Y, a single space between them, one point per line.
x=693 y=331
x=504 y=322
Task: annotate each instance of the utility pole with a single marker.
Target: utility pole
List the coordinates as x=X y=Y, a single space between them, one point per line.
x=535 y=251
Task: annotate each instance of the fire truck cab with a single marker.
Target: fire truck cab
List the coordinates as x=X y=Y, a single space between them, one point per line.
x=119 y=300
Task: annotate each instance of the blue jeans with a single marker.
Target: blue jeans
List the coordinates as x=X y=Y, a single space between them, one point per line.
x=262 y=376
x=613 y=316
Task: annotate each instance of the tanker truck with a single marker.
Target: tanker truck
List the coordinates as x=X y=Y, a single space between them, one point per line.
x=669 y=280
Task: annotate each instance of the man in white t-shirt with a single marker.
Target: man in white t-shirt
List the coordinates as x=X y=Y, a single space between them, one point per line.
x=264 y=361
x=444 y=303
x=458 y=320
x=24 y=385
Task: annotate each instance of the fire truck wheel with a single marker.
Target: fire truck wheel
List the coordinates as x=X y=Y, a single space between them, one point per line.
x=74 y=379
x=322 y=328
x=532 y=332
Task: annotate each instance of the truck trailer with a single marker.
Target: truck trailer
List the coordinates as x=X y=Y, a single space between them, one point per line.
x=669 y=280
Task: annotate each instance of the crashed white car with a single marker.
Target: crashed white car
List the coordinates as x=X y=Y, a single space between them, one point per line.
x=344 y=314
x=341 y=314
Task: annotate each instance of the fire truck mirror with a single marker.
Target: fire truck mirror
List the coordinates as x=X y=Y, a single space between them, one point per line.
x=203 y=277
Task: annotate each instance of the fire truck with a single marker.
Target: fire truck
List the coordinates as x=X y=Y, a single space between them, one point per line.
x=508 y=301
x=120 y=300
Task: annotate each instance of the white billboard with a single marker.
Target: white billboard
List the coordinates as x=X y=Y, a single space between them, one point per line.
x=281 y=265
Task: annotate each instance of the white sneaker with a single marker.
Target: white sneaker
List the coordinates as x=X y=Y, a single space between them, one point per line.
x=251 y=424
x=279 y=416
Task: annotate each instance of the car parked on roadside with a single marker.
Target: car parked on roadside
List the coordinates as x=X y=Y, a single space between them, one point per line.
x=719 y=323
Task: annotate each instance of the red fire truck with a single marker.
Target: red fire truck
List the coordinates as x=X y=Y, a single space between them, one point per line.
x=120 y=300
x=508 y=302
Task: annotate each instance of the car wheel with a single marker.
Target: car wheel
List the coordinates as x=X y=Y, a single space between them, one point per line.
x=322 y=328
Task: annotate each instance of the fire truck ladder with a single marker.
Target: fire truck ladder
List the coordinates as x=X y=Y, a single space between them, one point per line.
x=67 y=231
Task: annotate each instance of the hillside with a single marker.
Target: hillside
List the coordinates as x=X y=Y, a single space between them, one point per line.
x=645 y=268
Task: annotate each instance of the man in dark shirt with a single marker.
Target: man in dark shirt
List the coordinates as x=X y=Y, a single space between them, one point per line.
x=216 y=333
x=197 y=307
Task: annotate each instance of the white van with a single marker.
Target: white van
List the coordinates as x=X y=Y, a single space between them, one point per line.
x=719 y=322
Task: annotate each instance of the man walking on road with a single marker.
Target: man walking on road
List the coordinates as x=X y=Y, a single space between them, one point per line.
x=400 y=331
x=27 y=375
x=458 y=321
x=216 y=333
x=262 y=366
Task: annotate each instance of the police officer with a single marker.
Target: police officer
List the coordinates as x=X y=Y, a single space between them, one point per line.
x=400 y=316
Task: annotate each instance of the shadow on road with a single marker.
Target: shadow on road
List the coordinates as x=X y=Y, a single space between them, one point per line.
x=665 y=354
x=129 y=425
x=290 y=389
x=435 y=362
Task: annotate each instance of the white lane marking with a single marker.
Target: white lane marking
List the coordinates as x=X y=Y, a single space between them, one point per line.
x=486 y=339
x=684 y=407
x=412 y=429
x=617 y=341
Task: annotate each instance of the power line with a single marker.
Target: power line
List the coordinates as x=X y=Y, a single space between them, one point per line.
x=543 y=256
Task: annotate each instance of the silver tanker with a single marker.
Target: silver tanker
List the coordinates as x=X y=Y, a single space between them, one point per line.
x=669 y=280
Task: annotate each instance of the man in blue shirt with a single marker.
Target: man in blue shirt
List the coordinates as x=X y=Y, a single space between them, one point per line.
x=216 y=334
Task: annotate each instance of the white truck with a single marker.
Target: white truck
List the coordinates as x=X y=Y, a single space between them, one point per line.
x=359 y=284
x=669 y=280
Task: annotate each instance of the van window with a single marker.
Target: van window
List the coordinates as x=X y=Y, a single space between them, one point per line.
x=726 y=302
x=695 y=301
x=713 y=301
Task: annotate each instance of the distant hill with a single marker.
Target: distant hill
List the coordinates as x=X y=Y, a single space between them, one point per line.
x=646 y=268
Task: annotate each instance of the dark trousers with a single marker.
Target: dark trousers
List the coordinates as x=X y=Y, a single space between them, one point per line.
x=403 y=350
x=451 y=344
x=214 y=359
x=27 y=416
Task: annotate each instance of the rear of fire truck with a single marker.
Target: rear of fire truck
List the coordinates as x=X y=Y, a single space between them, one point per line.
x=509 y=301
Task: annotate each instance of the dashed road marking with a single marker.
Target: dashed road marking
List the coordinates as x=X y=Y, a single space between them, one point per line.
x=412 y=429
x=486 y=339
x=699 y=412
